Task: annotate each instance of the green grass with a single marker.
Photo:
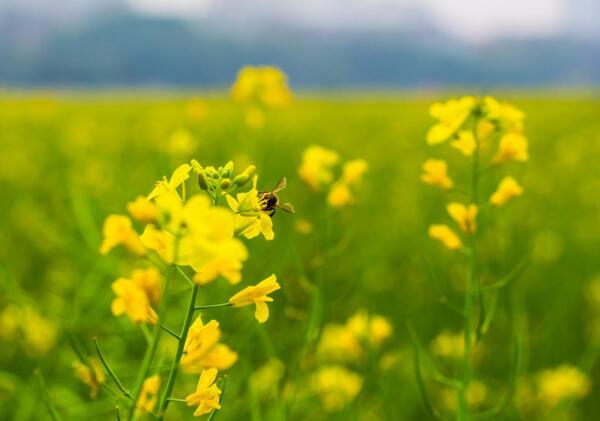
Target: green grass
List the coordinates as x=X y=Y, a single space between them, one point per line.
x=68 y=162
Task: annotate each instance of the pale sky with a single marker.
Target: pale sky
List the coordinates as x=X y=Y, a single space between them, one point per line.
x=471 y=20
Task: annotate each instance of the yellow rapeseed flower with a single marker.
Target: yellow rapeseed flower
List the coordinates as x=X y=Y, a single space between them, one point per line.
x=435 y=173
x=564 y=382
x=303 y=226
x=117 y=231
x=464 y=216
x=178 y=177
x=353 y=171
x=160 y=241
x=257 y=295
x=448 y=344
x=254 y=117
x=373 y=329
x=446 y=236
x=336 y=386
x=316 y=166
x=142 y=210
x=90 y=374
x=148 y=395
x=132 y=301
x=202 y=348
x=264 y=381
x=504 y=114
x=338 y=343
x=451 y=115
x=513 y=147
x=149 y=280
x=339 y=195
x=207 y=394
x=465 y=142
x=262 y=85
x=507 y=189
x=250 y=218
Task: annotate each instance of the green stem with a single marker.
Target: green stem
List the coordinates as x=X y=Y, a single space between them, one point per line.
x=471 y=289
x=164 y=401
x=110 y=371
x=208 y=306
x=151 y=350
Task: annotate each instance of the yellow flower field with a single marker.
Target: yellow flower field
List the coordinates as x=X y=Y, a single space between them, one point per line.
x=266 y=254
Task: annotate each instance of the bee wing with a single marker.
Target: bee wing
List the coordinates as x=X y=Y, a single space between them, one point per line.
x=287 y=207
x=280 y=185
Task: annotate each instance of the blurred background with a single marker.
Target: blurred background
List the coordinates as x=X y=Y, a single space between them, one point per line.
x=101 y=98
x=319 y=44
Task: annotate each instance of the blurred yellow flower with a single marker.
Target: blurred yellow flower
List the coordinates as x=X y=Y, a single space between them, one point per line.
x=506 y=115
x=303 y=226
x=451 y=115
x=336 y=386
x=464 y=216
x=476 y=395
x=90 y=374
x=207 y=394
x=257 y=295
x=265 y=380
x=149 y=280
x=181 y=142
x=262 y=85
x=507 y=189
x=448 y=344
x=142 y=210
x=38 y=333
x=117 y=231
x=179 y=176
x=316 y=166
x=132 y=301
x=465 y=142
x=353 y=171
x=209 y=247
x=435 y=173
x=513 y=146
x=338 y=343
x=446 y=236
x=563 y=382
x=160 y=241
x=373 y=329
x=148 y=395
x=339 y=195
x=203 y=350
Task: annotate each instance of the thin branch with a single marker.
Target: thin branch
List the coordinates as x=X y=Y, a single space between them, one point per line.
x=111 y=372
x=170 y=332
x=208 y=306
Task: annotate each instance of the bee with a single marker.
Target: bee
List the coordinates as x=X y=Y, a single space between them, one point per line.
x=269 y=201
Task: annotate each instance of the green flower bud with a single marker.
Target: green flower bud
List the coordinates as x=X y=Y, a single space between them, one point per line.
x=202 y=182
x=228 y=169
x=244 y=177
x=225 y=183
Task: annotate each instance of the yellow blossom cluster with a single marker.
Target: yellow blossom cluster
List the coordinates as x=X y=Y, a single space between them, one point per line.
x=23 y=323
x=469 y=124
x=317 y=170
x=190 y=231
x=258 y=88
x=351 y=342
